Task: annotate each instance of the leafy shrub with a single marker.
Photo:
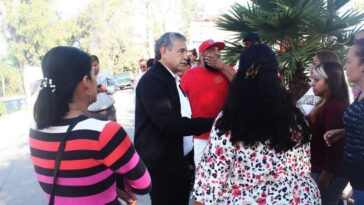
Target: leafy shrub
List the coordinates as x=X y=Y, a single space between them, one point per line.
x=2 y=109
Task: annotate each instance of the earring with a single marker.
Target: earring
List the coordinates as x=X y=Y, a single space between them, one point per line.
x=89 y=95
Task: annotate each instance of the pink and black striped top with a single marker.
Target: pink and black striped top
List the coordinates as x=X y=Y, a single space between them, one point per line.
x=98 y=158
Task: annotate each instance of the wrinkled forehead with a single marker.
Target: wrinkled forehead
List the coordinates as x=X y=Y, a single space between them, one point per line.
x=179 y=44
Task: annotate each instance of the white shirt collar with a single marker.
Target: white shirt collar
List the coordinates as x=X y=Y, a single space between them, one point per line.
x=175 y=76
x=185 y=112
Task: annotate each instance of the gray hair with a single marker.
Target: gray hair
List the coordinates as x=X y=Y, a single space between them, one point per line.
x=319 y=70
x=167 y=40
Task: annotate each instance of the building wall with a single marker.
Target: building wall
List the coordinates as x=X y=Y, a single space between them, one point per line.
x=205 y=29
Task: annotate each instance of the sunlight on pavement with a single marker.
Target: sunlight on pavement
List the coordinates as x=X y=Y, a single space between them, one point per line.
x=14 y=138
x=16 y=169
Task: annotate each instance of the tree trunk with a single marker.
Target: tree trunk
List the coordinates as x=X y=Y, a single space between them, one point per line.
x=25 y=82
x=299 y=84
x=3 y=86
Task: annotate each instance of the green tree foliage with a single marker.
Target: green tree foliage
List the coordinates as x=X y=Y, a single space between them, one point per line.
x=297 y=29
x=119 y=32
x=30 y=29
x=2 y=109
x=12 y=81
x=105 y=29
x=181 y=13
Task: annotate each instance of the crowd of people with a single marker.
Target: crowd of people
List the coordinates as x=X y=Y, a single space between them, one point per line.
x=229 y=136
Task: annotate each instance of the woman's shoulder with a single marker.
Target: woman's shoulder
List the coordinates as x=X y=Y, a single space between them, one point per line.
x=355 y=111
x=97 y=125
x=335 y=106
x=336 y=103
x=359 y=104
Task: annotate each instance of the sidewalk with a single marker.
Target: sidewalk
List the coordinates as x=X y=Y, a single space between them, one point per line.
x=14 y=140
x=17 y=179
x=18 y=185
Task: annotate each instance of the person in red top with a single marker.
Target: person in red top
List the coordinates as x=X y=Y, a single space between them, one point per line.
x=206 y=87
x=328 y=82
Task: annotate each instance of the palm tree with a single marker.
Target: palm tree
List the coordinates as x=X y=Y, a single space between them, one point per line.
x=296 y=29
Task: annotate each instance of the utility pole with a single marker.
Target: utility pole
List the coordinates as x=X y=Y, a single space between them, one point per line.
x=3 y=84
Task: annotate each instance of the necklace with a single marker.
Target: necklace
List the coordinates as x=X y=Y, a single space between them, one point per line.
x=74 y=113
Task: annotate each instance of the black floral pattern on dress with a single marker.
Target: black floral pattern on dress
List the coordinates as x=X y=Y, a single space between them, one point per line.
x=238 y=174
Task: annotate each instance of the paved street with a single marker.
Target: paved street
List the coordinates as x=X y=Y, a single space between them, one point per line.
x=17 y=181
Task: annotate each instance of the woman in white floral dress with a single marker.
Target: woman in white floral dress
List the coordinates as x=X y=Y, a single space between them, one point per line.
x=259 y=150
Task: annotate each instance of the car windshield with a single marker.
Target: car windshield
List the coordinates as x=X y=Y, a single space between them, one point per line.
x=122 y=75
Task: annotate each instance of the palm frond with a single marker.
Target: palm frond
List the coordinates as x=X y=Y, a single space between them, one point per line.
x=334 y=5
x=232 y=51
x=299 y=52
x=300 y=27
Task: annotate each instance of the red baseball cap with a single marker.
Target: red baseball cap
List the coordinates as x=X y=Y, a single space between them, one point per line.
x=209 y=43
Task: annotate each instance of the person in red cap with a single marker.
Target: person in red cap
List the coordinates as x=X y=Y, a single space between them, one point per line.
x=206 y=87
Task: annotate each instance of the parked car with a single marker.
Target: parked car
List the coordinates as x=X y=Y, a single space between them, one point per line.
x=124 y=80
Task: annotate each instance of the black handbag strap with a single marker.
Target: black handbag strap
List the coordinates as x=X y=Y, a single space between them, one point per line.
x=57 y=163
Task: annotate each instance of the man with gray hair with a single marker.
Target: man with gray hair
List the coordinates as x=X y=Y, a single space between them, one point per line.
x=162 y=120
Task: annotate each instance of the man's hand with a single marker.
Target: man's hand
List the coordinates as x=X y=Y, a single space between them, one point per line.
x=332 y=136
x=129 y=198
x=196 y=203
x=102 y=89
x=325 y=178
x=215 y=61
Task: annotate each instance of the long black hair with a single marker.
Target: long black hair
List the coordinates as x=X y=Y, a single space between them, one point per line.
x=258 y=107
x=63 y=68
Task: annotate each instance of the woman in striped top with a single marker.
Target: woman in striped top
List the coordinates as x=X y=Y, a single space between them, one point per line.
x=99 y=162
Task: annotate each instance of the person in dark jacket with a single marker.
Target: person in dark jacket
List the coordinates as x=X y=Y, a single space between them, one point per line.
x=162 y=121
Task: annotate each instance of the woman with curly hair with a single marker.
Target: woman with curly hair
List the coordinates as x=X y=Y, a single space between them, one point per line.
x=259 y=150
